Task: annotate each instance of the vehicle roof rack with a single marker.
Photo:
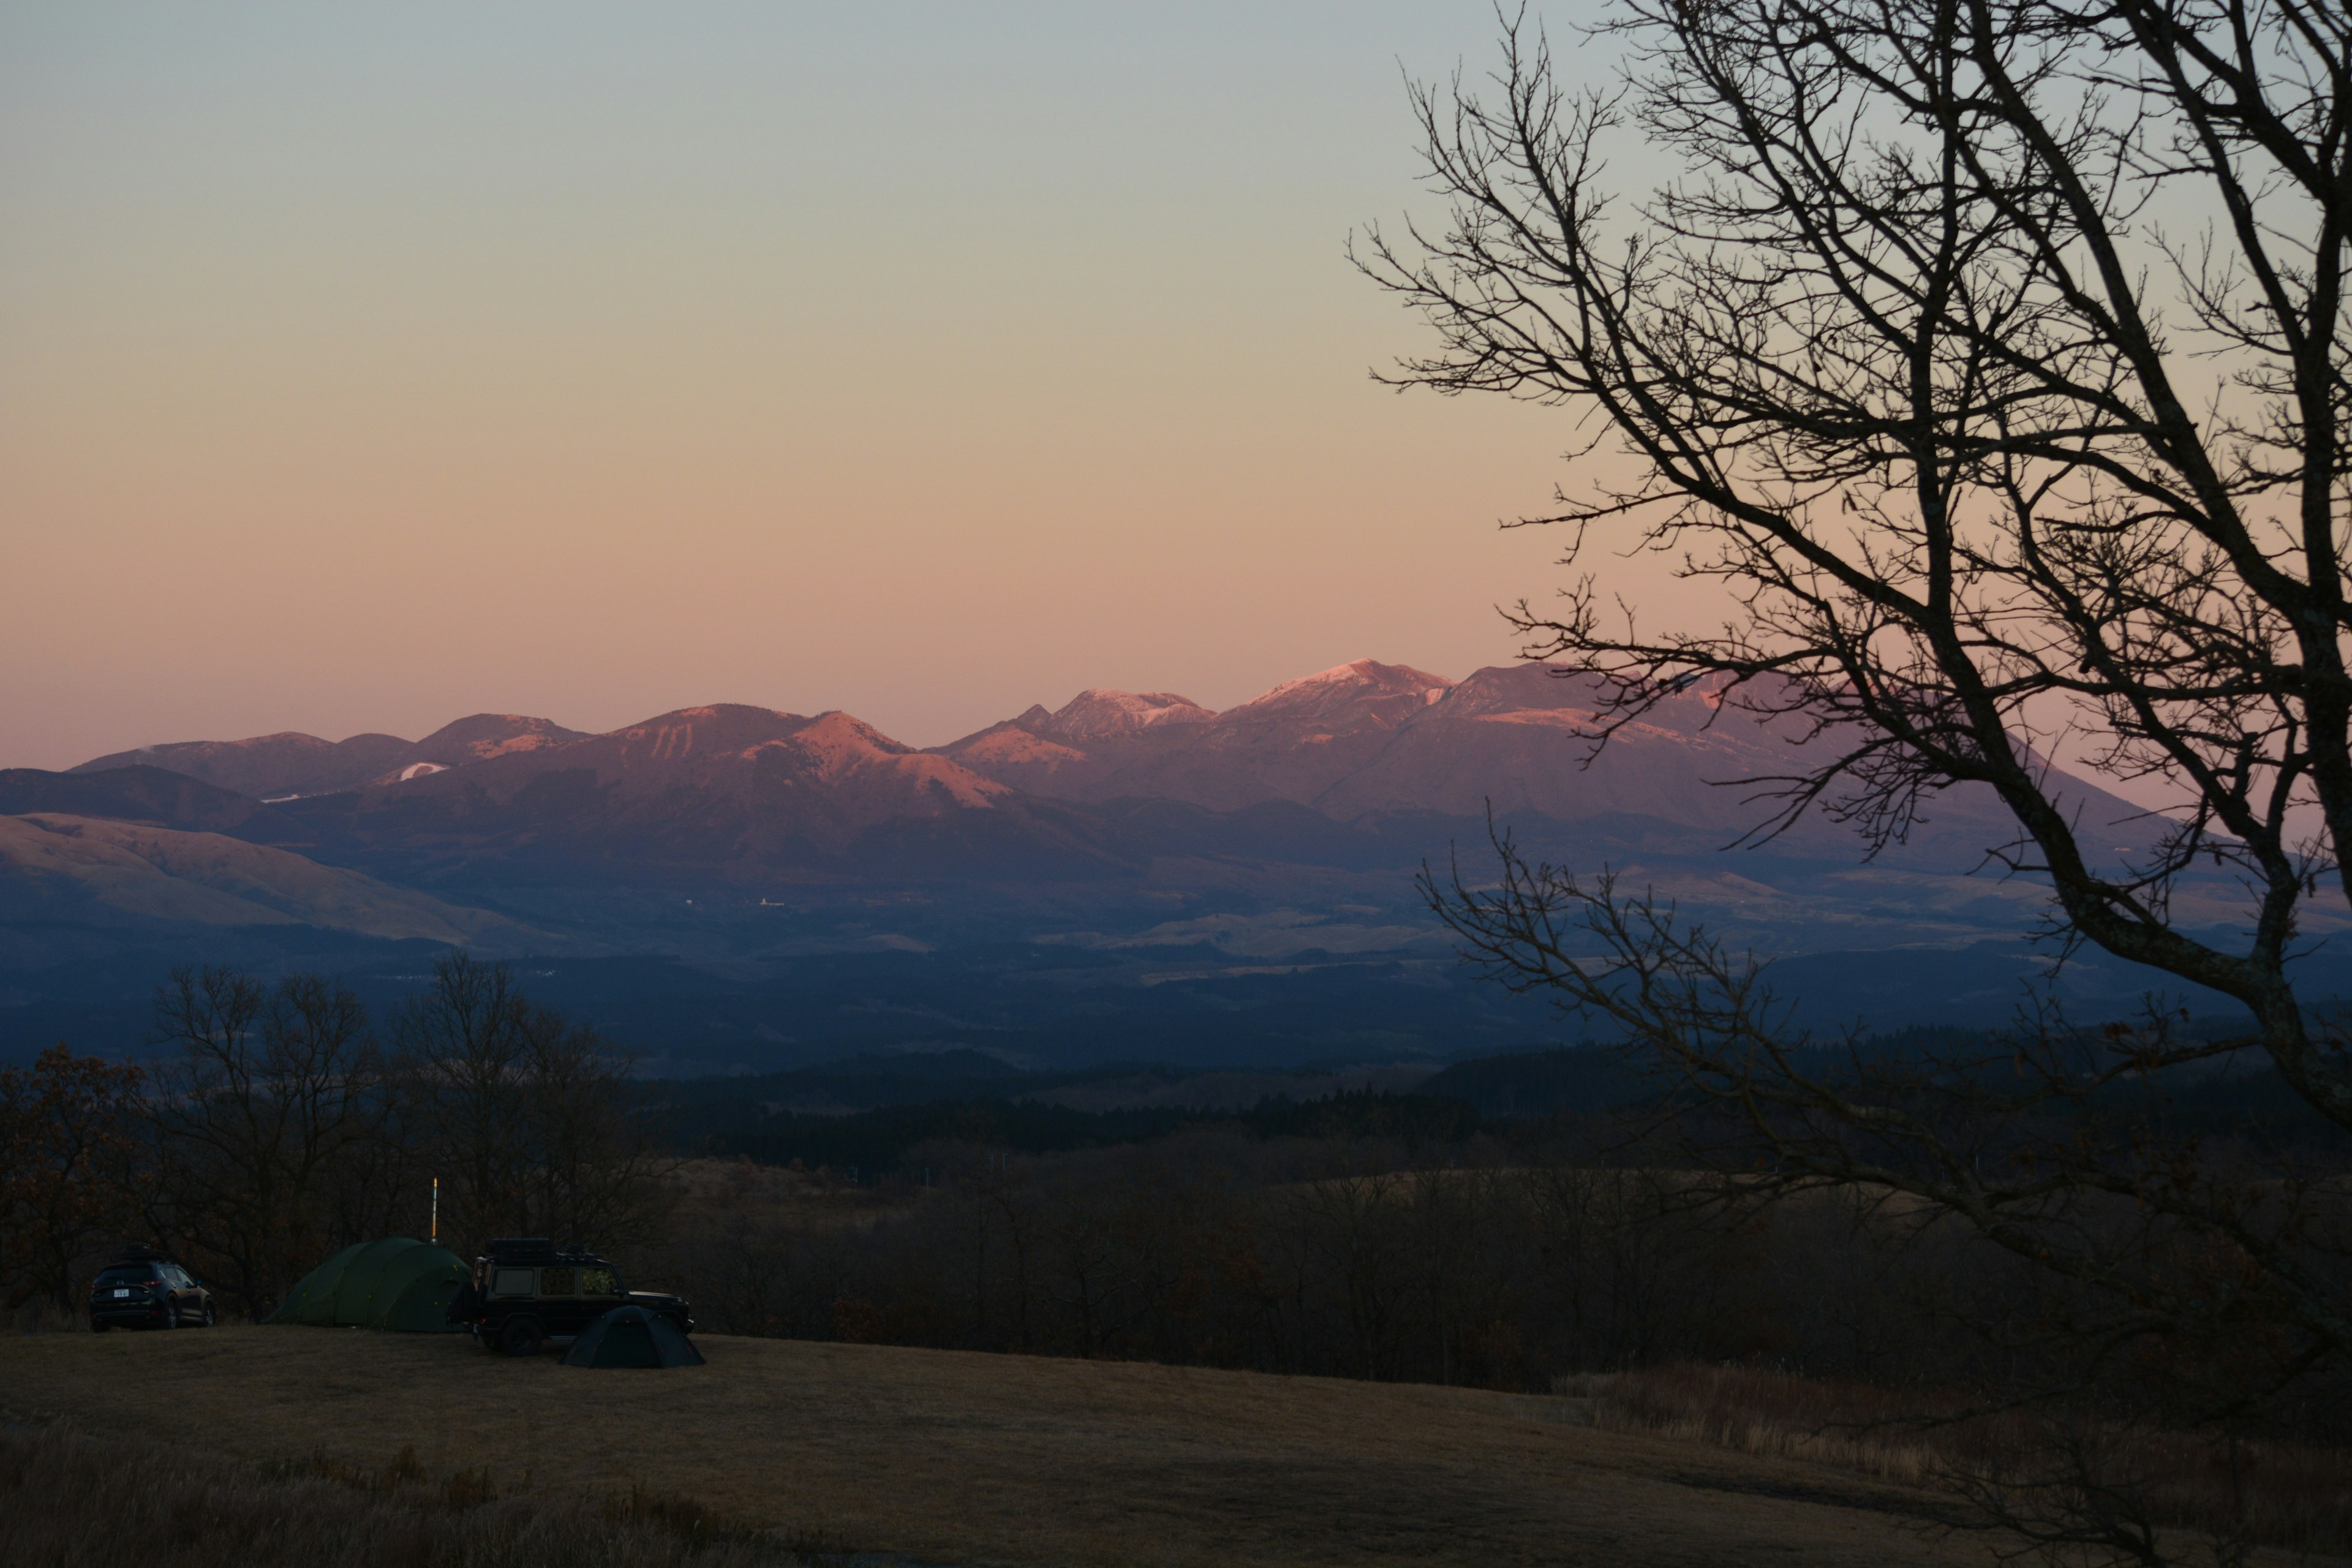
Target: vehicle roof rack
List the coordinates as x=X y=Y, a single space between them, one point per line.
x=538 y=1250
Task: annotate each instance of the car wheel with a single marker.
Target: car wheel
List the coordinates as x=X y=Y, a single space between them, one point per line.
x=208 y=1315
x=171 y=1316
x=522 y=1338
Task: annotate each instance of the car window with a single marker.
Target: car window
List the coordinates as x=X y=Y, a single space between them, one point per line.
x=557 y=1281
x=599 y=1282
x=177 y=1276
x=137 y=1274
x=512 y=1282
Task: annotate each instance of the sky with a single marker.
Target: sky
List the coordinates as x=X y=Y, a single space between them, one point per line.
x=365 y=366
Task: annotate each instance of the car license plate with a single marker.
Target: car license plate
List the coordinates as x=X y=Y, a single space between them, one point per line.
x=122 y=1293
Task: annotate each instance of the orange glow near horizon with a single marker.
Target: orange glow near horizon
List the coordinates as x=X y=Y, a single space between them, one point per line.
x=370 y=369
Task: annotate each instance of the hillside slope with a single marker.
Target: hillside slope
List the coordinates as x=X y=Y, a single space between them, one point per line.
x=69 y=870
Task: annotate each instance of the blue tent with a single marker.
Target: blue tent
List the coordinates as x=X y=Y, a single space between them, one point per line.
x=631 y=1336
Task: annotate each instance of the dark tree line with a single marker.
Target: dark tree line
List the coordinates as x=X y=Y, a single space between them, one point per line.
x=1341 y=1256
x=278 y=1124
x=1505 y=1260
x=1524 y=1258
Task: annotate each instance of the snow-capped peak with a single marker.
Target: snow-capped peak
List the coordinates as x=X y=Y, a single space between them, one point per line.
x=1358 y=678
x=1100 y=710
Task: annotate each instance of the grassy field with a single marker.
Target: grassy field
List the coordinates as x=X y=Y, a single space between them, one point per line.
x=955 y=1458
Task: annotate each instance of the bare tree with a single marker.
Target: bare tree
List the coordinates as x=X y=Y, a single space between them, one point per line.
x=1992 y=354
x=520 y=1112
x=463 y=1048
x=67 y=1154
x=274 y=1091
x=595 y=1172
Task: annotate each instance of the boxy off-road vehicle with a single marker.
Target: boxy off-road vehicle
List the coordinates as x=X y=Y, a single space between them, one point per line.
x=525 y=1292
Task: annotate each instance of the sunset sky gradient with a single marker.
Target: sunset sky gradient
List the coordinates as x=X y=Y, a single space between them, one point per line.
x=365 y=366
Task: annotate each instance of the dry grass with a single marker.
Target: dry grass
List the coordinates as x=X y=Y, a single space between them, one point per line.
x=41 y=1316
x=1761 y=1413
x=2291 y=1496
x=955 y=1458
x=68 y=1501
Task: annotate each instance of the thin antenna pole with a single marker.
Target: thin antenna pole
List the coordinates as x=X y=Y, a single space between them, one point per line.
x=436 y=1211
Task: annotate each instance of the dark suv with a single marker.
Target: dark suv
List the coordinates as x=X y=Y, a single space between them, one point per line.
x=144 y=1288
x=525 y=1292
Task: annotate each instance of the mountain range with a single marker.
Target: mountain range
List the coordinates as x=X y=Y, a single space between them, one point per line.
x=1134 y=867
x=1363 y=763
x=290 y=764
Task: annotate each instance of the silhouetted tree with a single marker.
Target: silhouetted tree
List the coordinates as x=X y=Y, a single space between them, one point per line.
x=68 y=1155
x=520 y=1112
x=1993 y=356
x=462 y=1047
x=272 y=1105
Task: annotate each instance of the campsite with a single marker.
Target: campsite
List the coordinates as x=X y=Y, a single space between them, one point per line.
x=955 y=1457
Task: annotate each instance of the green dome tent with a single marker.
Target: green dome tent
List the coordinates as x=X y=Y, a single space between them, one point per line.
x=396 y=1283
x=631 y=1336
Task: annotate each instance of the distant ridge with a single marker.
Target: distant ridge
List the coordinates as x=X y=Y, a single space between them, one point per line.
x=137 y=794
x=262 y=766
x=1291 y=743
x=747 y=790
x=1324 y=765
x=292 y=763
x=1365 y=742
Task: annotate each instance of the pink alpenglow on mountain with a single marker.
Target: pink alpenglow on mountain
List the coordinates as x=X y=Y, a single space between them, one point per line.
x=1292 y=743
x=486 y=735
x=1365 y=740
x=1353 y=695
x=751 y=791
x=742 y=753
x=1361 y=744
x=1098 y=712
x=1030 y=752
